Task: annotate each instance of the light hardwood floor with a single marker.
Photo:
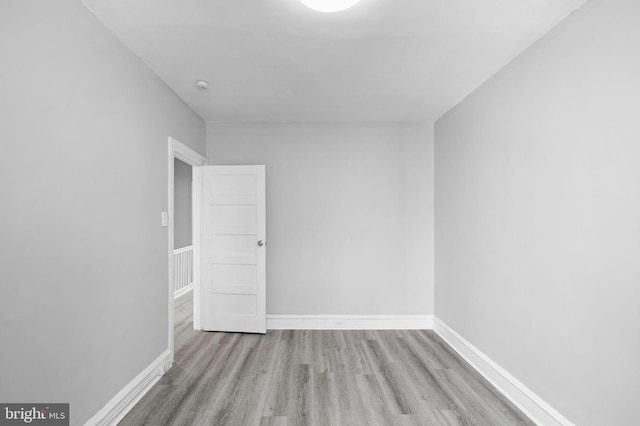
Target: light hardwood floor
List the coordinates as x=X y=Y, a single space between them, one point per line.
x=318 y=378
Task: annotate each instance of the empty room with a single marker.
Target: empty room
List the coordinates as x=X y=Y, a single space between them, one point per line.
x=320 y=212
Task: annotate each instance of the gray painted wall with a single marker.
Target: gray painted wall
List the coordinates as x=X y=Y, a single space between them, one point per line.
x=83 y=178
x=537 y=216
x=349 y=213
x=182 y=204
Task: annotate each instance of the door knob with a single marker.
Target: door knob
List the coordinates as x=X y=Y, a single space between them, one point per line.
x=260 y=243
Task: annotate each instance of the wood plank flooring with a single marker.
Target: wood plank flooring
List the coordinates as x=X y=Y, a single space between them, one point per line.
x=318 y=378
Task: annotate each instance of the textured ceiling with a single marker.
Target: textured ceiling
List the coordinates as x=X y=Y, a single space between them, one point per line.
x=277 y=61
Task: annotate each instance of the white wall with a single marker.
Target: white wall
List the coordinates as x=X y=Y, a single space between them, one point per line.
x=182 y=216
x=349 y=213
x=83 y=179
x=538 y=216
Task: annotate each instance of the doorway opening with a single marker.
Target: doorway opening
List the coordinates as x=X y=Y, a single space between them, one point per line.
x=182 y=252
x=185 y=194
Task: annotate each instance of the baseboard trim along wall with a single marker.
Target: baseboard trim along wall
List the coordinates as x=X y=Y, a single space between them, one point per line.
x=183 y=291
x=349 y=322
x=531 y=404
x=133 y=392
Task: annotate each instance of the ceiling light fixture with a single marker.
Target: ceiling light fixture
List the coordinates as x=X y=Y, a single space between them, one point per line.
x=201 y=84
x=329 y=5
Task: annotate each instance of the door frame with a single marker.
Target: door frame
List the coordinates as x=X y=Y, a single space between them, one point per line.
x=183 y=153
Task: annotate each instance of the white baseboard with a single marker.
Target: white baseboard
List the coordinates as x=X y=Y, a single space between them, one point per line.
x=349 y=322
x=522 y=397
x=183 y=291
x=133 y=392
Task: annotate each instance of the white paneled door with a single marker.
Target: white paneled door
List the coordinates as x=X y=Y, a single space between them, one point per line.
x=234 y=249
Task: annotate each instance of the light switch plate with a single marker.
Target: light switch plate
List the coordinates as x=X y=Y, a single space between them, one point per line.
x=165 y=218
